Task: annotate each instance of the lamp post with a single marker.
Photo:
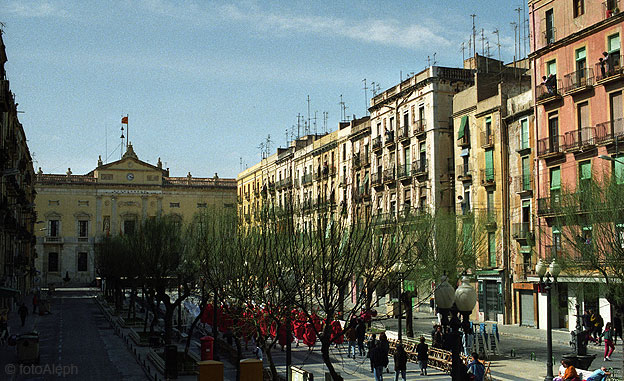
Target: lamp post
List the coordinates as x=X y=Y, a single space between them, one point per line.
x=610 y=158
x=399 y=269
x=458 y=304
x=546 y=284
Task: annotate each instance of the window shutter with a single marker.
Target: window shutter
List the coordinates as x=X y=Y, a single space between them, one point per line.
x=555 y=178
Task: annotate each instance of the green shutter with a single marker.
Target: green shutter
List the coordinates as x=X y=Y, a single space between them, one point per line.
x=614 y=43
x=489 y=165
x=585 y=170
x=462 y=127
x=618 y=168
x=551 y=68
x=580 y=54
x=555 y=178
x=524 y=126
x=423 y=147
x=492 y=248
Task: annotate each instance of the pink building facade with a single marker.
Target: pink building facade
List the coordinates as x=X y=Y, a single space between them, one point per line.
x=578 y=84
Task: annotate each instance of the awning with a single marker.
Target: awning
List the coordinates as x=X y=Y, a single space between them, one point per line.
x=462 y=127
x=465 y=152
x=7 y=292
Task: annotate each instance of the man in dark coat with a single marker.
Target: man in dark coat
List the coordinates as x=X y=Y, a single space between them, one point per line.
x=423 y=356
x=400 y=362
x=361 y=335
x=23 y=312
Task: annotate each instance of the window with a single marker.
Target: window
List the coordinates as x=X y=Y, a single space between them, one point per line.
x=584 y=172
x=526 y=174
x=579 y=7
x=488 y=130
x=613 y=43
x=53 y=262
x=581 y=64
x=553 y=133
x=550 y=27
x=619 y=230
x=489 y=165
x=524 y=134
x=201 y=204
x=618 y=169
x=174 y=204
x=555 y=185
x=490 y=204
x=492 y=249
x=54 y=228
x=82 y=261
x=551 y=67
x=556 y=242
x=129 y=226
x=405 y=118
x=83 y=229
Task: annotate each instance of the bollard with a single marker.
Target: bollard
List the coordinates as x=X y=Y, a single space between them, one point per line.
x=210 y=370
x=251 y=370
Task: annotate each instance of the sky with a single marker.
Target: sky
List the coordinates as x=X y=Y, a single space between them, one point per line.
x=204 y=83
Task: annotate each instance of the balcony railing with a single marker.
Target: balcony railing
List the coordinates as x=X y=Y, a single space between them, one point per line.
x=607 y=131
x=376 y=179
x=578 y=80
x=419 y=167
x=522 y=231
x=463 y=208
x=53 y=239
x=389 y=138
x=307 y=179
x=464 y=171
x=389 y=174
x=548 y=205
x=364 y=159
x=404 y=171
x=548 y=92
x=487 y=140
x=377 y=143
x=609 y=69
x=611 y=8
x=579 y=139
x=361 y=193
x=356 y=161
x=524 y=183
x=464 y=141
x=420 y=126
x=549 y=36
x=550 y=145
x=487 y=176
x=404 y=132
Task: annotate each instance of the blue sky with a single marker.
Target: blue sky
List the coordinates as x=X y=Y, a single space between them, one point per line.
x=205 y=82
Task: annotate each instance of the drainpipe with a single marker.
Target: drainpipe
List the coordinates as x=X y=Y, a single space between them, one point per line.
x=507 y=269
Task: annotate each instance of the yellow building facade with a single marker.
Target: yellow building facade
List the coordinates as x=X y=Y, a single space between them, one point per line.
x=112 y=199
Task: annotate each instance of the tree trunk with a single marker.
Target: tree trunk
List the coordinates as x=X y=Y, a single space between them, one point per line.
x=169 y=310
x=239 y=356
x=325 y=344
x=409 y=315
x=202 y=305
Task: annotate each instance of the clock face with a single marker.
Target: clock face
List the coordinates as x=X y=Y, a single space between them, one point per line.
x=130 y=176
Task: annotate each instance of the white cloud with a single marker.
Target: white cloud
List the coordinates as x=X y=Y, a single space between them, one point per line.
x=34 y=9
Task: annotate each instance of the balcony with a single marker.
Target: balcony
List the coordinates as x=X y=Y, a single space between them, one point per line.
x=464 y=172
x=357 y=163
x=377 y=144
x=364 y=160
x=578 y=81
x=419 y=168
x=389 y=175
x=547 y=93
x=404 y=132
x=610 y=69
x=307 y=179
x=524 y=185
x=342 y=182
x=464 y=141
x=288 y=182
x=580 y=139
x=376 y=179
x=548 y=205
x=549 y=36
x=53 y=239
x=389 y=139
x=404 y=172
x=611 y=8
x=463 y=209
x=487 y=176
x=554 y=251
x=487 y=140
x=420 y=127
x=607 y=132
x=361 y=193
x=521 y=231
x=550 y=146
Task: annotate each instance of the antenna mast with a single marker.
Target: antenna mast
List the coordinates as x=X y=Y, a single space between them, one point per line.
x=365 y=98
x=474 y=36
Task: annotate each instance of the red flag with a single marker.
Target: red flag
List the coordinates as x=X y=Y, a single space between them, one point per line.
x=124 y=120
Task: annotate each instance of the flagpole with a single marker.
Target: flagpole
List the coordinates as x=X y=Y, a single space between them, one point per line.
x=127 y=131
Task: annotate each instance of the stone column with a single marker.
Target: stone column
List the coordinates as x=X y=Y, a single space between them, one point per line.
x=98 y=215
x=143 y=207
x=114 y=229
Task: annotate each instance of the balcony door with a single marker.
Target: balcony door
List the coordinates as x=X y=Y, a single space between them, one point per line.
x=615 y=107
x=553 y=133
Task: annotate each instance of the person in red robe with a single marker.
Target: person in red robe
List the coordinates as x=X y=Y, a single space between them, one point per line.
x=336 y=336
x=299 y=328
x=309 y=336
x=282 y=335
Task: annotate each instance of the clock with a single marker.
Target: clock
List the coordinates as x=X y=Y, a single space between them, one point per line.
x=130 y=176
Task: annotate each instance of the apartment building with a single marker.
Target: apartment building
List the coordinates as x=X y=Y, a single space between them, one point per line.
x=489 y=120
x=111 y=199
x=359 y=184
x=577 y=81
x=411 y=144
x=17 y=193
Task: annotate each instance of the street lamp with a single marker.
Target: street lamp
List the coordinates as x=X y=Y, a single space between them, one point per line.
x=553 y=270
x=399 y=269
x=458 y=304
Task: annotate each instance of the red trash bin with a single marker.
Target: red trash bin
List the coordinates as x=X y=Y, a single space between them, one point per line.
x=207 y=343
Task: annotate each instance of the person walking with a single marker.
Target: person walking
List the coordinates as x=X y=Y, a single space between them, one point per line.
x=360 y=332
x=378 y=361
x=384 y=345
x=476 y=367
x=617 y=326
x=23 y=312
x=608 y=335
x=400 y=362
x=437 y=337
x=351 y=336
x=422 y=350
x=372 y=343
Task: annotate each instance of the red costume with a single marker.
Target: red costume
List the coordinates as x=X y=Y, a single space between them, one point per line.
x=309 y=336
x=336 y=336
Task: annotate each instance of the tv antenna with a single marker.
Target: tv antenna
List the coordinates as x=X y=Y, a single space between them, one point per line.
x=365 y=97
